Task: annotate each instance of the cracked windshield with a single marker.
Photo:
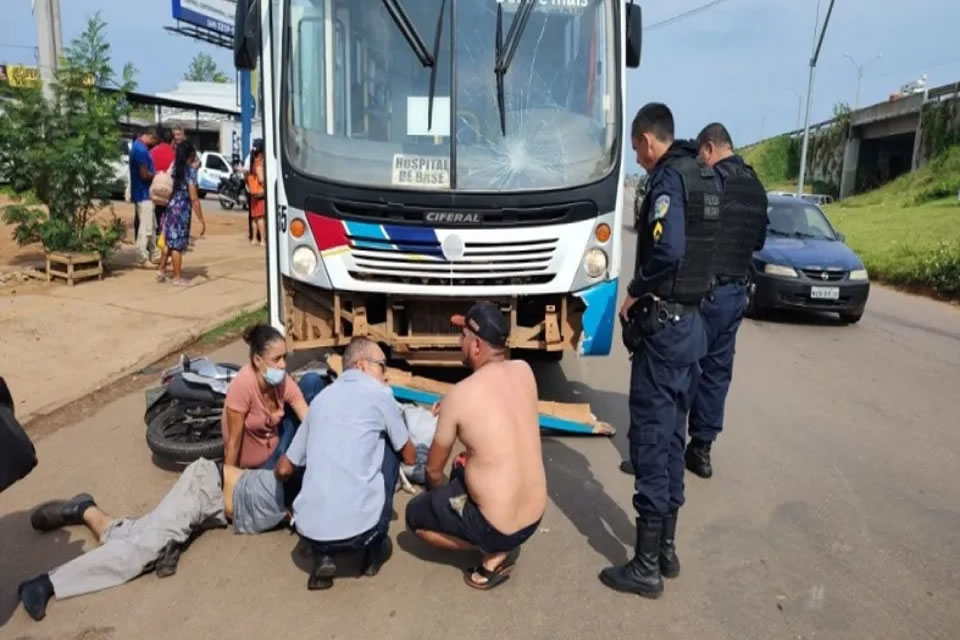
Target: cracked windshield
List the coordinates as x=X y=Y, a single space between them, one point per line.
x=370 y=98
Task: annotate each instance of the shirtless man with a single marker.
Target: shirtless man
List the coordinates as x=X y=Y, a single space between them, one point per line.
x=495 y=499
x=205 y=495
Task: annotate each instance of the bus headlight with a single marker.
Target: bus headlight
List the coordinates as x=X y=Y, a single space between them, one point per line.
x=595 y=262
x=304 y=261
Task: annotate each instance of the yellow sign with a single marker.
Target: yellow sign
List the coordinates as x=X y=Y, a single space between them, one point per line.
x=21 y=76
x=18 y=75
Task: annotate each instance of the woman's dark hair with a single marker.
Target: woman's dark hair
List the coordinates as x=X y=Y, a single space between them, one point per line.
x=185 y=151
x=259 y=336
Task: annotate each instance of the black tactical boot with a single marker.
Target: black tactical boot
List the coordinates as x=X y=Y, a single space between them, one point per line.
x=669 y=562
x=321 y=576
x=698 y=458
x=169 y=559
x=61 y=513
x=376 y=555
x=627 y=467
x=34 y=594
x=642 y=574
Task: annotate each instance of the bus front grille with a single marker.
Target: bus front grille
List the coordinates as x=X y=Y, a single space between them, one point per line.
x=480 y=263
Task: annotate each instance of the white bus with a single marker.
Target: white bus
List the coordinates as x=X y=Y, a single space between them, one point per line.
x=425 y=154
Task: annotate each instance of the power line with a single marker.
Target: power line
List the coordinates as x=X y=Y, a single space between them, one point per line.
x=16 y=46
x=684 y=15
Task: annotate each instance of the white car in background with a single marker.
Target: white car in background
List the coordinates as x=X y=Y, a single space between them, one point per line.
x=213 y=167
x=120 y=188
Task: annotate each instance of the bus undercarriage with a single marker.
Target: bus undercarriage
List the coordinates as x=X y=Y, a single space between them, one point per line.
x=417 y=328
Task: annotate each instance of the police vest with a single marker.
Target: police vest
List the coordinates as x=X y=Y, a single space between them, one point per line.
x=694 y=278
x=743 y=212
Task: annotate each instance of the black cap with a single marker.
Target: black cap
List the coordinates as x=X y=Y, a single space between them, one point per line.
x=486 y=321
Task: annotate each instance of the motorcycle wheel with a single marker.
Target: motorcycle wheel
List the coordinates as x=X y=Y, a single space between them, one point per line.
x=185 y=431
x=226 y=203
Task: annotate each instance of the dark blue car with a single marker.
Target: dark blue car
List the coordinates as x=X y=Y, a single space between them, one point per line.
x=805 y=265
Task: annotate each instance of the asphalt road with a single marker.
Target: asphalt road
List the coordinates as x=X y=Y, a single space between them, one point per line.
x=834 y=513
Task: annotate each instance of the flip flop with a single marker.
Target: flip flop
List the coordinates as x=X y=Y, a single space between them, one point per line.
x=493 y=578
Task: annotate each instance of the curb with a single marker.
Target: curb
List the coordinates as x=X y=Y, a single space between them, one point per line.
x=188 y=338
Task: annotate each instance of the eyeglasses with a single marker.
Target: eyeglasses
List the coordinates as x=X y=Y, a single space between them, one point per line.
x=380 y=363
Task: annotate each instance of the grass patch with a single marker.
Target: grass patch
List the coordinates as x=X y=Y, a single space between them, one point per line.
x=776 y=161
x=915 y=246
x=235 y=326
x=908 y=231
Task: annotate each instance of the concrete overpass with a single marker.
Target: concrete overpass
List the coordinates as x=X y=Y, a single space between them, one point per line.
x=885 y=140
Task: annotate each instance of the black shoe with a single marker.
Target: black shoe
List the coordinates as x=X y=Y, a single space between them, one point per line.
x=168 y=559
x=376 y=555
x=61 y=513
x=34 y=594
x=627 y=467
x=669 y=562
x=642 y=574
x=698 y=458
x=321 y=577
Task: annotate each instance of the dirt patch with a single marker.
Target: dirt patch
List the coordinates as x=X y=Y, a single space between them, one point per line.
x=219 y=223
x=42 y=426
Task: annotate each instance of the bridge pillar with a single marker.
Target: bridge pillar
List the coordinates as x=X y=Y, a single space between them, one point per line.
x=851 y=162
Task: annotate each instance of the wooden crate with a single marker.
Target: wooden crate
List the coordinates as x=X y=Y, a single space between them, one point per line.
x=74 y=266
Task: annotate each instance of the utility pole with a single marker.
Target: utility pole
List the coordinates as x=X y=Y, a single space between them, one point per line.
x=46 y=14
x=859 y=68
x=806 y=125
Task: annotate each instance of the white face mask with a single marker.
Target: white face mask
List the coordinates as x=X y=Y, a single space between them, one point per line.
x=274 y=377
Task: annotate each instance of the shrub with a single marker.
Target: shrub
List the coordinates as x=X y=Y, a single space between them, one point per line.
x=59 y=151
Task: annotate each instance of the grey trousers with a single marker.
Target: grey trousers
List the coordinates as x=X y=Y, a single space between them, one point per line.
x=131 y=547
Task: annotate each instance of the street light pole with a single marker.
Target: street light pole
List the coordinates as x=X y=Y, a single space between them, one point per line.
x=799 y=106
x=806 y=126
x=859 y=68
x=46 y=14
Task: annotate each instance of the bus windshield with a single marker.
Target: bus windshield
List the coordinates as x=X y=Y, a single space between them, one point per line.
x=357 y=95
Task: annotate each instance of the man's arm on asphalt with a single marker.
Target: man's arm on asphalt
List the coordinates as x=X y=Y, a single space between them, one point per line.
x=443 y=441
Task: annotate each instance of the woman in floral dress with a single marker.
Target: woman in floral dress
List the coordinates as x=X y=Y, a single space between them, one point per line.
x=176 y=219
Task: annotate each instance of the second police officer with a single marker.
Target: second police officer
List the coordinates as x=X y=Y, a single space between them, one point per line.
x=664 y=332
x=744 y=229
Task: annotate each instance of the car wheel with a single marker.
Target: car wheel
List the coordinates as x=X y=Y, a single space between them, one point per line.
x=851 y=318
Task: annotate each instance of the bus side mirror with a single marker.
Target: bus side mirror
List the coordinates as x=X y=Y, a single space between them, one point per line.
x=634 y=35
x=246 y=35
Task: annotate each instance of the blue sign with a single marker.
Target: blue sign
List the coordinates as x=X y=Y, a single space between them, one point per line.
x=216 y=15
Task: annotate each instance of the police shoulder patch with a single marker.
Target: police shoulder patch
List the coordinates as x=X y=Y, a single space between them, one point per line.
x=660 y=208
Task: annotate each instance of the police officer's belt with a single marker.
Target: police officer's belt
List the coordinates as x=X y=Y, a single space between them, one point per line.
x=675 y=308
x=724 y=280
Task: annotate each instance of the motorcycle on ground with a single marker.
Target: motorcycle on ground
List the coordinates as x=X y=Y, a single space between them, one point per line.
x=184 y=414
x=232 y=191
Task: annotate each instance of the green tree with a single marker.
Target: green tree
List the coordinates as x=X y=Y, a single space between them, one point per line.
x=204 y=69
x=58 y=153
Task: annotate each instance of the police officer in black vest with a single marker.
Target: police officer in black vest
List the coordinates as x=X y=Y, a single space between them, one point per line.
x=743 y=230
x=664 y=332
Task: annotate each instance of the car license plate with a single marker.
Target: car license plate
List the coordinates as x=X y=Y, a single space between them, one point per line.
x=825 y=293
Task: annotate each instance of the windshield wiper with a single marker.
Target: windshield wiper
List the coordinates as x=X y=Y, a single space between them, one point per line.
x=419 y=48
x=506 y=50
x=433 y=69
x=409 y=31
x=778 y=232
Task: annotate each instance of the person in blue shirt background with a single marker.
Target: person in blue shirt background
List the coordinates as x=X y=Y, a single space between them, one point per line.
x=141 y=175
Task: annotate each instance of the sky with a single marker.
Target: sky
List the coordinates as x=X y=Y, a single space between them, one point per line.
x=740 y=62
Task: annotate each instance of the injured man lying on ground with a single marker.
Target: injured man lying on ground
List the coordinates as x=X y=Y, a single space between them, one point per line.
x=206 y=495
